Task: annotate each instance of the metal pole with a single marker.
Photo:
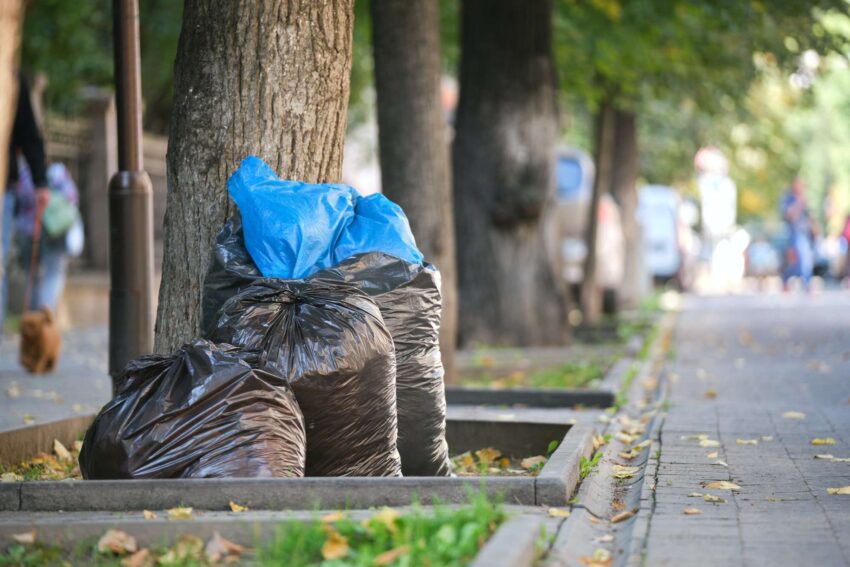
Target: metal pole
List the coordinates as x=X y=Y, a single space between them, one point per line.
x=130 y=205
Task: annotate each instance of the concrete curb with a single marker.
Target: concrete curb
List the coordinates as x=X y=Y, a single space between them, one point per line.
x=560 y=477
x=513 y=545
x=530 y=397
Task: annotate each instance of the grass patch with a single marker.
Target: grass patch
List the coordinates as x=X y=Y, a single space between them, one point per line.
x=46 y=467
x=589 y=465
x=568 y=375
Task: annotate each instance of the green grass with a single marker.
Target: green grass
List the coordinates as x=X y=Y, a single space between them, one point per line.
x=569 y=375
x=589 y=465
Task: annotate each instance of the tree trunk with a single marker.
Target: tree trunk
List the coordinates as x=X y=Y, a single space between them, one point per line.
x=624 y=189
x=264 y=78
x=591 y=294
x=412 y=137
x=11 y=20
x=504 y=161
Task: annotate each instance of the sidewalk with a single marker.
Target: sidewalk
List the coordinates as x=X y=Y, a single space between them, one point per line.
x=79 y=386
x=737 y=365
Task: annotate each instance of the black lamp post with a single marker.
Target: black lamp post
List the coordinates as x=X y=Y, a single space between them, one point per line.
x=130 y=205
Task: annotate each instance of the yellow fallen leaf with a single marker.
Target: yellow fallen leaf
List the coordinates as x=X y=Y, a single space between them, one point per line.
x=840 y=459
x=117 y=542
x=558 y=513
x=622 y=472
x=747 y=441
x=643 y=444
x=10 y=477
x=187 y=547
x=721 y=463
x=622 y=516
x=607 y=538
x=148 y=515
x=180 y=513
x=697 y=437
x=333 y=517
x=504 y=462
x=695 y=495
x=794 y=415
x=388 y=517
x=220 y=549
x=713 y=498
x=767 y=438
x=25 y=538
x=825 y=457
x=629 y=455
x=710 y=394
x=61 y=452
x=691 y=511
x=844 y=490
x=388 y=557
x=488 y=454
x=532 y=462
x=335 y=546
x=712 y=455
x=709 y=443
x=823 y=441
x=624 y=438
x=598 y=441
x=13 y=391
x=78 y=446
x=234 y=507
x=28 y=418
x=601 y=558
x=721 y=485
x=141 y=558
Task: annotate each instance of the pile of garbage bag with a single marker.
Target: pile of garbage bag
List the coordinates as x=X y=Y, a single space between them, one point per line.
x=321 y=324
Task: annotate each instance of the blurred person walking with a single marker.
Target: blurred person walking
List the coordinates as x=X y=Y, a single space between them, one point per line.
x=799 y=255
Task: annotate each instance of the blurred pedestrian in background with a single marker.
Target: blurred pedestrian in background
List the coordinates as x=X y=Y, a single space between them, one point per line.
x=799 y=255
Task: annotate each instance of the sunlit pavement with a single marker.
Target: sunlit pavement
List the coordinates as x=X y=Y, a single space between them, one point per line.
x=738 y=365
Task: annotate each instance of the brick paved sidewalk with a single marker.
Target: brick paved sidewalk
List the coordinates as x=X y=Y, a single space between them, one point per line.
x=737 y=365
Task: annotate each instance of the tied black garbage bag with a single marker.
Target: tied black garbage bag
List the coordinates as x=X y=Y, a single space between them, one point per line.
x=408 y=296
x=206 y=411
x=329 y=341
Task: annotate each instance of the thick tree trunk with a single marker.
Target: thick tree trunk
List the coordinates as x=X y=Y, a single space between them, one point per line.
x=11 y=19
x=264 y=78
x=415 y=170
x=504 y=154
x=591 y=294
x=624 y=190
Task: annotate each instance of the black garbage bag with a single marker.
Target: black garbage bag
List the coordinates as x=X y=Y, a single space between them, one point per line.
x=409 y=297
x=206 y=411
x=329 y=341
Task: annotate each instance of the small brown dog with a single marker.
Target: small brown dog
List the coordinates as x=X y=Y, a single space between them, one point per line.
x=40 y=341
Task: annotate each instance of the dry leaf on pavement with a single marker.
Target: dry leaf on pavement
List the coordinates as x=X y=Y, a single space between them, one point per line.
x=335 y=547
x=387 y=557
x=25 y=538
x=117 y=542
x=710 y=394
x=767 y=438
x=708 y=443
x=844 y=490
x=61 y=451
x=721 y=463
x=713 y=499
x=531 y=462
x=600 y=558
x=148 y=515
x=141 y=558
x=607 y=538
x=695 y=495
x=558 y=513
x=187 y=547
x=721 y=485
x=180 y=513
x=691 y=511
x=622 y=516
x=823 y=441
x=219 y=549
x=488 y=454
x=623 y=472
x=747 y=441
x=794 y=415
x=234 y=507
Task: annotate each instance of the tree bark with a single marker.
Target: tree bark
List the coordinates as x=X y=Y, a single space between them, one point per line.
x=413 y=140
x=504 y=155
x=624 y=190
x=269 y=78
x=11 y=20
x=591 y=294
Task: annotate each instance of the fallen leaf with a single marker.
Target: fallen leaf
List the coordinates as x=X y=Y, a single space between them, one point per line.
x=600 y=558
x=840 y=459
x=141 y=558
x=13 y=391
x=187 y=547
x=623 y=472
x=712 y=455
x=697 y=437
x=708 y=443
x=823 y=441
x=844 y=490
x=335 y=547
x=25 y=538
x=607 y=538
x=488 y=455
x=794 y=415
x=148 y=515
x=695 y=495
x=710 y=394
x=622 y=516
x=721 y=463
x=220 y=549
x=598 y=441
x=714 y=499
x=747 y=441
x=624 y=438
x=826 y=457
x=773 y=499
x=390 y=556
x=333 y=517
x=531 y=462
x=11 y=477
x=602 y=418
x=28 y=418
x=643 y=444
x=234 y=507
x=721 y=485
x=767 y=438
x=78 y=408
x=558 y=513
x=629 y=455
x=388 y=517
x=180 y=513
x=117 y=542
x=61 y=452
x=691 y=511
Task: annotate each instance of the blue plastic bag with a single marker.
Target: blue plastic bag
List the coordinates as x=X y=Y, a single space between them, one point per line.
x=294 y=229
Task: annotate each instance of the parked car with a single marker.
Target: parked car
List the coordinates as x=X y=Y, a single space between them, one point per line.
x=668 y=238
x=574 y=176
